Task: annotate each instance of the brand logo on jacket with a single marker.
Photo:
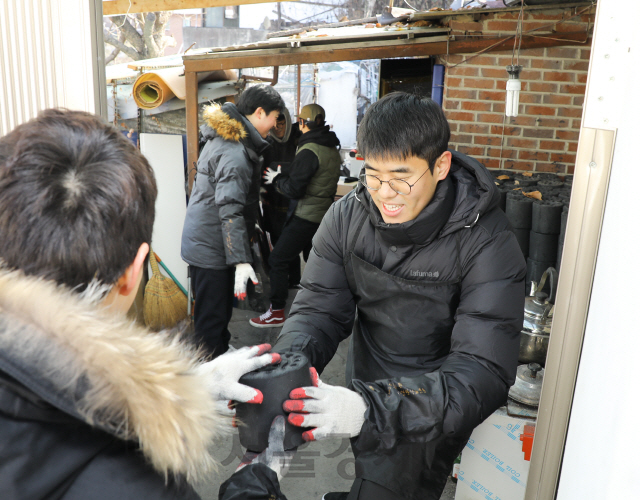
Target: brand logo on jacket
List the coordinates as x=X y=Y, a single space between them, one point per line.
x=425 y=274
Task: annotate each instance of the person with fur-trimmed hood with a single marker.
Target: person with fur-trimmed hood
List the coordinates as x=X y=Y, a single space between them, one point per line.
x=223 y=209
x=91 y=405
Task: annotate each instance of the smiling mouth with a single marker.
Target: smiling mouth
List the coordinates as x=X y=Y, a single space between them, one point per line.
x=392 y=209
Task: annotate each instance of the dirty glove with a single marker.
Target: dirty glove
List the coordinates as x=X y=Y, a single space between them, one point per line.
x=331 y=409
x=270 y=175
x=222 y=374
x=274 y=456
x=243 y=273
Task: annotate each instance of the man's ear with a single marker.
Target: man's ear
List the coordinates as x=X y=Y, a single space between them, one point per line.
x=443 y=165
x=259 y=113
x=129 y=280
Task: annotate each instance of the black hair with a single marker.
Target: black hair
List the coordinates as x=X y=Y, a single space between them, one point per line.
x=77 y=199
x=259 y=96
x=400 y=126
x=315 y=124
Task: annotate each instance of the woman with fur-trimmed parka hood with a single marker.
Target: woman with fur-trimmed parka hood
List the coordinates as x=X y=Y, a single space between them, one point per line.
x=223 y=209
x=91 y=405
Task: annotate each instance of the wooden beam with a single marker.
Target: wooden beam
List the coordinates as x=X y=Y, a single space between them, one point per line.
x=191 y=105
x=117 y=7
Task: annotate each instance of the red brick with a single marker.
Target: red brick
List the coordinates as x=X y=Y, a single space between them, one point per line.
x=532 y=53
x=576 y=124
x=576 y=65
x=538 y=132
x=518 y=165
x=553 y=122
x=461 y=138
x=455 y=58
x=451 y=104
x=536 y=25
x=516 y=142
x=540 y=110
x=546 y=64
x=524 y=121
x=498 y=107
x=528 y=74
x=533 y=155
x=475 y=105
x=570 y=112
x=488 y=140
x=530 y=98
x=513 y=131
x=543 y=87
x=570 y=169
x=460 y=116
x=585 y=54
x=506 y=153
x=571 y=28
x=486 y=95
x=461 y=94
x=558 y=76
x=464 y=70
x=490 y=163
x=507 y=15
x=563 y=158
x=557 y=99
x=578 y=100
x=573 y=89
x=581 y=78
x=453 y=82
x=471 y=151
x=479 y=83
x=501 y=25
x=553 y=145
x=494 y=73
x=483 y=61
x=472 y=128
x=453 y=127
x=550 y=167
x=490 y=118
x=563 y=52
x=572 y=147
x=507 y=61
x=567 y=135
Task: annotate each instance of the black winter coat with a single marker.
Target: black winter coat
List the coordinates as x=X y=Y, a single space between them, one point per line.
x=452 y=365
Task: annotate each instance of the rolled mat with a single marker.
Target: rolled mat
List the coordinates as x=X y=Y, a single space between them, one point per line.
x=154 y=88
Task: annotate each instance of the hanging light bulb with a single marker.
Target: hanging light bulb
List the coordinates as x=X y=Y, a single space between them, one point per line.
x=513 y=90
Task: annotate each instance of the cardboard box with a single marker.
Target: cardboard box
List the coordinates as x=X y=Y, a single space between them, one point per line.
x=344 y=188
x=493 y=465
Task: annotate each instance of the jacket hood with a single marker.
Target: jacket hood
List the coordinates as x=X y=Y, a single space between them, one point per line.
x=322 y=136
x=228 y=123
x=101 y=368
x=459 y=200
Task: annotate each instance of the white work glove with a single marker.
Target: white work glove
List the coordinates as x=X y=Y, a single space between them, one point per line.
x=222 y=374
x=274 y=456
x=243 y=273
x=270 y=174
x=332 y=410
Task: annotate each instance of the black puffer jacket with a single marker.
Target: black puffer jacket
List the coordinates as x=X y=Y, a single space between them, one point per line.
x=423 y=413
x=92 y=406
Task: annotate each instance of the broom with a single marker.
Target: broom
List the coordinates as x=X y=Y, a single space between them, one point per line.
x=164 y=303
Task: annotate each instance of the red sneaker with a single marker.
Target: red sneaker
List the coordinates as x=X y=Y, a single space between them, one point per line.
x=273 y=318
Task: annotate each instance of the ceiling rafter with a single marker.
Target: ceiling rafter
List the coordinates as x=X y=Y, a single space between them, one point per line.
x=119 y=7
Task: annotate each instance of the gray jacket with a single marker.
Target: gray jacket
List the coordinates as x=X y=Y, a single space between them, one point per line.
x=223 y=207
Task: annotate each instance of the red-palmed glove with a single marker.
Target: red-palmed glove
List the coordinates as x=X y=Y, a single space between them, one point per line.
x=222 y=374
x=244 y=272
x=332 y=410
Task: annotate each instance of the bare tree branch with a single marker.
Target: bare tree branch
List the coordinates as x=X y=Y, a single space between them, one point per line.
x=131 y=34
x=130 y=51
x=112 y=56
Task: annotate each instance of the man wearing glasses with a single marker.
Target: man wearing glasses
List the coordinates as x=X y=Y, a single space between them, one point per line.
x=420 y=266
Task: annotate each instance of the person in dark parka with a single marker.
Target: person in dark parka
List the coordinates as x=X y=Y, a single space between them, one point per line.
x=223 y=209
x=421 y=268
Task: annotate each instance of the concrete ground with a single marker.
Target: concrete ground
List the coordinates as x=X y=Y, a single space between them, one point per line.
x=318 y=467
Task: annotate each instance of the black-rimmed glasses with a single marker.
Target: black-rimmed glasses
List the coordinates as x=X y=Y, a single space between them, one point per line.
x=398 y=185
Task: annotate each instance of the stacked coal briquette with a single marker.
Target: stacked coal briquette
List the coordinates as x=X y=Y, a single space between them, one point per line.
x=536 y=205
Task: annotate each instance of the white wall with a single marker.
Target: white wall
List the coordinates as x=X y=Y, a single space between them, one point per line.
x=338 y=95
x=602 y=452
x=51 y=55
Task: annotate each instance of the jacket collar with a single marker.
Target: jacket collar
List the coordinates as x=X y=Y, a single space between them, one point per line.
x=228 y=123
x=100 y=368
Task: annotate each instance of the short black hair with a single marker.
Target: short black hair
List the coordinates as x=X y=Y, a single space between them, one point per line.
x=315 y=124
x=77 y=199
x=259 y=96
x=400 y=126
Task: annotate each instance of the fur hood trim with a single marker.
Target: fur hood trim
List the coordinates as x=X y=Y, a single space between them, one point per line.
x=98 y=366
x=226 y=127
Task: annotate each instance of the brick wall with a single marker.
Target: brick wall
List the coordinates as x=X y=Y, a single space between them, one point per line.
x=544 y=135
